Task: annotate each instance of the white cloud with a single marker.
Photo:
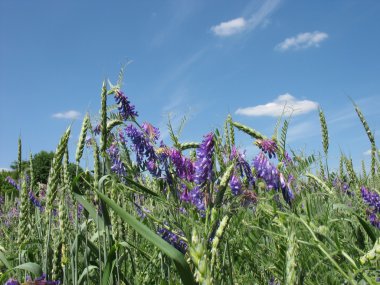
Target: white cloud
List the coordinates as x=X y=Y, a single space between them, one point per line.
x=229 y=28
x=284 y=104
x=238 y=25
x=302 y=41
x=71 y=115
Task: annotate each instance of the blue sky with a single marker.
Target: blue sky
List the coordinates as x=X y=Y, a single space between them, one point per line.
x=204 y=59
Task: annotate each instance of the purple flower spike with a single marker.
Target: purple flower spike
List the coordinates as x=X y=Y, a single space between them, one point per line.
x=235 y=185
x=173 y=239
x=266 y=171
x=184 y=166
x=126 y=110
x=243 y=165
x=12 y=182
x=196 y=198
x=373 y=219
x=268 y=146
x=35 y=200
x=117 y=165
x=371 y=198
x=203 y=165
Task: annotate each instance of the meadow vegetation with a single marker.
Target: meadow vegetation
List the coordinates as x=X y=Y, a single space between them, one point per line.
x=197 y=212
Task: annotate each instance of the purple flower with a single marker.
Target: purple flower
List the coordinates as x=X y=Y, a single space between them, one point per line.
x=373 y=219
x=235 y=185
x=79 y=210
x=203 y=165
x=35 y=200
x=268 y=146
x=184 y=166
x=286 y=189
x=197 y=198
x=287 y=159
x=141 y=144
x=12 y=182
x=97 y=129
x=126 y=109
x=174 y=239
x=42 y=278
x=266 y=171
x=243 y=165
x=117 y=165
x=12 y=281
x=185 y=194
x=371 y=198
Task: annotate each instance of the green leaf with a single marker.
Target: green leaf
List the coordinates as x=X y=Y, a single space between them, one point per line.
x=30 y=267
x=4 y=260
x=107 y=271
x=175 y=255
x=368 y=228
x=90 y=209
x=86 y=271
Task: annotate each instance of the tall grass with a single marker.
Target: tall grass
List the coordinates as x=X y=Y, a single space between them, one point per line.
x=191 y=213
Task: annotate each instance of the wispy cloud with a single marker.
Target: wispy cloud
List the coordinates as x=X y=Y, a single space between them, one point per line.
x=302 y=41
x=284 y=104
x=240 y=24
x=70 y=115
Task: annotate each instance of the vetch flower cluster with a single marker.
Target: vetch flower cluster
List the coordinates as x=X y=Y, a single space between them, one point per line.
x=235 y=185
x=174 y=239
x=142 y=144
x=184 y=166
x=204 y=163
x=373 y=200
x=266 y=171
x=12 y=182
x=268 y=146
x=117 y=165
x=126 y=109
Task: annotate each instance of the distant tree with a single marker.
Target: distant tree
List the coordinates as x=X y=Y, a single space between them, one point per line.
x=41 y=166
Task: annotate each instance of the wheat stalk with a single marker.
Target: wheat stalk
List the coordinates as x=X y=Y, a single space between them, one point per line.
x=215 y=242
x=82 y=138
x=253 y=133
x=291 y=253
x=103 y=138
x=370 y=137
